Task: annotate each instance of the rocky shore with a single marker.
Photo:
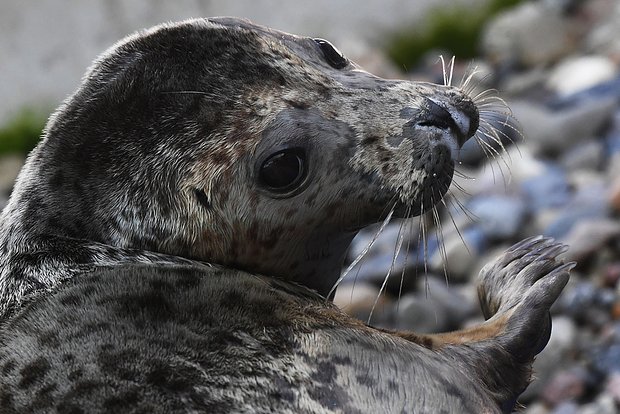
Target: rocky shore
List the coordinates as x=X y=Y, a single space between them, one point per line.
x=556 y=64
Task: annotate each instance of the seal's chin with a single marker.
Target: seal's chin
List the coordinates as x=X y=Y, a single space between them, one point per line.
x=430 y=191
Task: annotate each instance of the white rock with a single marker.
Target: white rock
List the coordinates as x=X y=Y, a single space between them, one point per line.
x=578 y=73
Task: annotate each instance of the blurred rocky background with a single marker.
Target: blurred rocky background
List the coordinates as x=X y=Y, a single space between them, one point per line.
x=555 y=63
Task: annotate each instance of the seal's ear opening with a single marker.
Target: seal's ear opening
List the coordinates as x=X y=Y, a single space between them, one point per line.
x=202 y=198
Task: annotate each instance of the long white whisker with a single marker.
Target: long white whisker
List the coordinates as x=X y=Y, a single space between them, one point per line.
x=363 y=253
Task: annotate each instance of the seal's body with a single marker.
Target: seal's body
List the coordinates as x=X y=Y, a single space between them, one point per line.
x=169 y=242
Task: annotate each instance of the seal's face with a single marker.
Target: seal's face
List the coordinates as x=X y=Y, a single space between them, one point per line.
x=226 y=142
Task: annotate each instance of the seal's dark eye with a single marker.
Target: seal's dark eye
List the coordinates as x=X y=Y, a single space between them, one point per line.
x=333 y=56
x=283 y=171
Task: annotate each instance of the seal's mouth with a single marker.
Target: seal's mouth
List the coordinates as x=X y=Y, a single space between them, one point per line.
x=444 y=130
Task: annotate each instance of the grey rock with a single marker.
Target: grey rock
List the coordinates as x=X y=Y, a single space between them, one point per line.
x=588 y=155
x=382 y=268
x=379 y=260
x=603 y=38
x=515 y=36
x=421 y=314
x=589 y=235
x=460 y=253
x=553 y=357
x=548 y=189
x=536 y=408
x=612 y=387
x=566 y=407
x=565 y=385
x=358 y=299
x=606 y=359
x=589 y=203
x=579 y=295
x=499 y=217
x=385 y=242
x=456 y=306
x=604 y=404
x=551 y=132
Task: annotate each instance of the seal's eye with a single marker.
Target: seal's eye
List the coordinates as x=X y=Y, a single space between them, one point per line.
x=283 y=171
x=333 y=56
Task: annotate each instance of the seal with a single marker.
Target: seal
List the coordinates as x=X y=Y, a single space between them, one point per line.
x=170 y=243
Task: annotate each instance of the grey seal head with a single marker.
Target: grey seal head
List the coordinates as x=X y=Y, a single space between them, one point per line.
x=169 y=242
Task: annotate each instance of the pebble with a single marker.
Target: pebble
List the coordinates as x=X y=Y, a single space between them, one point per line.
x=358 y=299
x=606 y=359
x=551 y=132
x=499 y=217
x=546 y=364
x=589 y=235
x=614 y=195
x=548 y=189
x=461 y=254
x=612 y=387
x=561 y=180
x=604 y=404
x=587 y=156
x=514 y=36
x=566 y=385
x=577 y=74
x=421 y=314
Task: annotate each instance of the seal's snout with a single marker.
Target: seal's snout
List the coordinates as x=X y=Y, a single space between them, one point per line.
x=462 y=119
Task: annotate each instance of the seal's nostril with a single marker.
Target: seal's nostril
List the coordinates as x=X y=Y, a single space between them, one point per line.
x=438 y=116
x=460 y=122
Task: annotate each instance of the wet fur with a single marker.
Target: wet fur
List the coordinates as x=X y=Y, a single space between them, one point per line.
x=132 y=244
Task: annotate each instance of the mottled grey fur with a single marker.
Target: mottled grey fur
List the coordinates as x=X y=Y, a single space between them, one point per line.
x=133 y=245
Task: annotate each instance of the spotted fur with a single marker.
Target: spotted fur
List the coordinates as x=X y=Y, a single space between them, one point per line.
x=144 y=268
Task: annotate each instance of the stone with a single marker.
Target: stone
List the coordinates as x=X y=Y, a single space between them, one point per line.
x=561 y=343
x=547 y=190
x=421 y=314
x=386 y=240
x=589 y=235
x=514 y=36
x=566 y=407
x=612 y=387
x=603 y=38
x=606 y=359
x=565 y=385
x=587 y=156
x=377 y=262
x=604 y=404
x=550 y=132
x=614 y=194
x=579 y=73
x=456 y=306
x=375 y=270
x=588 y=203
x=499 y=217
x=357 y=300
x=536 y=408
x=460 y=253
x=577 y=296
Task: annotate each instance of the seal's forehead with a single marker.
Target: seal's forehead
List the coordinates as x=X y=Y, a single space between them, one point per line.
x=303 y=46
